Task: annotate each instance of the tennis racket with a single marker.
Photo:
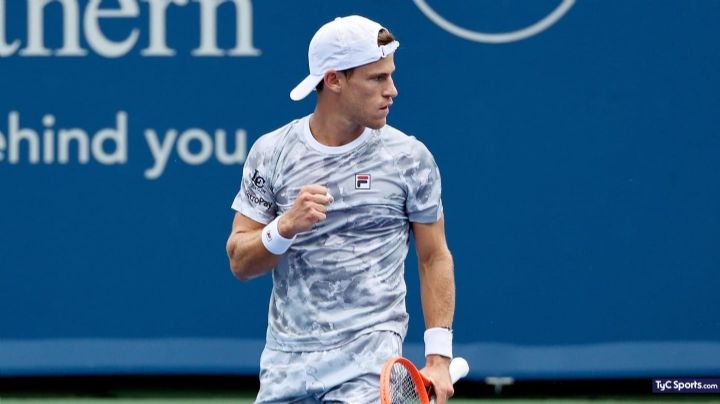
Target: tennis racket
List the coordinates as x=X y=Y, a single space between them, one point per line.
x=402 y=383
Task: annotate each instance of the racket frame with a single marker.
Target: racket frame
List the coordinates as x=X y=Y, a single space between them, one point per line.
x=422 y=384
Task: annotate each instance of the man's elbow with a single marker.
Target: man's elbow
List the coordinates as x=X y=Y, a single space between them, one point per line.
x=238 y=267
x=441 y=257
x=449 y=263
x=240 y=271
x=451 y=260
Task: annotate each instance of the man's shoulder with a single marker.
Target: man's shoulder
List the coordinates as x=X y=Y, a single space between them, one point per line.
x=270 y=140
x=396 y=135
x=403 y=143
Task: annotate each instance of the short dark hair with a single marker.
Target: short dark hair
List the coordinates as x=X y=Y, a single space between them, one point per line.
x=384 y=38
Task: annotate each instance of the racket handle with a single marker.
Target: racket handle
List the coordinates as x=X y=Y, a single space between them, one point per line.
x=459 y=368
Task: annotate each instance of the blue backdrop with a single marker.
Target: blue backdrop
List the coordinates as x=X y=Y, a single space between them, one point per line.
x=578 y=145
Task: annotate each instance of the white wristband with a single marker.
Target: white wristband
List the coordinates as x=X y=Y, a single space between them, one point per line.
x=273 y=241
x=438 y=341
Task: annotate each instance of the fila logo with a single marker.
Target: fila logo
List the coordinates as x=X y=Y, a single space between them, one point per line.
x=362 y=181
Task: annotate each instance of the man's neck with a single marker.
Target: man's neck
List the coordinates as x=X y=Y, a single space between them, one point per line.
x=332 y=129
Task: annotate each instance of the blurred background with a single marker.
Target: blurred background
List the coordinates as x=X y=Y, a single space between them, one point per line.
x=578 y=141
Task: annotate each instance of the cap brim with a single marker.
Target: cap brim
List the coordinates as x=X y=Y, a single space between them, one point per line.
x=305 y=87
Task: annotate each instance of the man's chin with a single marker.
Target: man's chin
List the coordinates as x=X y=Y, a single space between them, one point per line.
x=379 y=124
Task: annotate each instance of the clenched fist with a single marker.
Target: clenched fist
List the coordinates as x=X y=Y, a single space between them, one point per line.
x=309 y=208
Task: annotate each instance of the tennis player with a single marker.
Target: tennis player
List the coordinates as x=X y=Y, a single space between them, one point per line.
x=327 y=203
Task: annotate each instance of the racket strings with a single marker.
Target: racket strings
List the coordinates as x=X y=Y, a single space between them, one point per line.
x=402 y=387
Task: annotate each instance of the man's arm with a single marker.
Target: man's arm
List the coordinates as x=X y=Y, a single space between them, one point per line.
x=247 y=254
x=437 y=291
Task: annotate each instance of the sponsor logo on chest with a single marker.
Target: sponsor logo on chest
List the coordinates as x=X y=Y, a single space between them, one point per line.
x=362 y=181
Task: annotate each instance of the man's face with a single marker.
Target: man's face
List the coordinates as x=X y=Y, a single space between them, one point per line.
x=368 y=93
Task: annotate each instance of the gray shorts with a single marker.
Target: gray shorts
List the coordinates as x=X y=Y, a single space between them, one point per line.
x=348 y=374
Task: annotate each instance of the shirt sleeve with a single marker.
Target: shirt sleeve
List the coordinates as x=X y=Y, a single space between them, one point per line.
x=256 y=198
x=422 y=176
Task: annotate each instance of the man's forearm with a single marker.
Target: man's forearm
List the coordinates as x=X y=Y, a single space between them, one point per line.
x=437 y=291
x=248 y=256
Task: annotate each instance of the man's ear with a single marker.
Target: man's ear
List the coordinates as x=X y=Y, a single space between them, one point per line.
x=332 y=80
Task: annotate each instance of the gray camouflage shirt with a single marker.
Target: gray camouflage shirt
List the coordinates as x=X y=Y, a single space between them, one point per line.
x=345 y=277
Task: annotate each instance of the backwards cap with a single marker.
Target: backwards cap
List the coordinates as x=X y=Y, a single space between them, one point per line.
x=341 y=44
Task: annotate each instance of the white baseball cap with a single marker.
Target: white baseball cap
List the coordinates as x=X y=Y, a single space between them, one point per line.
x=343 y=43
